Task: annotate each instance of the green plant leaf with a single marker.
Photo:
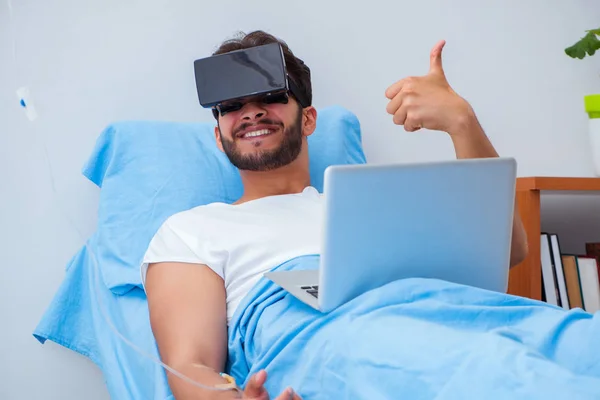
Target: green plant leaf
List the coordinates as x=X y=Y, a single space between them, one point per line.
x=588 y=44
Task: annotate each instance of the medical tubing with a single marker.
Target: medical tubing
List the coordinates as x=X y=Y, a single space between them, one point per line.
x=97 y=288
x=129 y=343
x=96 y=268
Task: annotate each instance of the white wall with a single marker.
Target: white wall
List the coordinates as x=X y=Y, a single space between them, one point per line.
x=88 y=63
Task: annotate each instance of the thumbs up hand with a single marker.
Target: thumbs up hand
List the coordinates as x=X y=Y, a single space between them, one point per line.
x=428 y=101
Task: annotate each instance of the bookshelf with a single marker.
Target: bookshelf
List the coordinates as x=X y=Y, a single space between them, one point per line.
x=525 y=279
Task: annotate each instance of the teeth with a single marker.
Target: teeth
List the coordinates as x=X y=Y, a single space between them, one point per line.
x=257 y=133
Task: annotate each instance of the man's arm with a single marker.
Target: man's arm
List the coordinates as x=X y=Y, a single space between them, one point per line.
x=470 y=141
x=188 y=317
x=429 y=102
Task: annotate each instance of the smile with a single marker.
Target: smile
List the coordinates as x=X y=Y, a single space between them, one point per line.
x=253 y=134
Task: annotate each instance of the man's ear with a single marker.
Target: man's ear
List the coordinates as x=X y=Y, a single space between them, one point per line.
x=309 y=119
x=218 y=137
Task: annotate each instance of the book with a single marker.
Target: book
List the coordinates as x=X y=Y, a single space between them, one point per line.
x=570 y=280
x=558 y=271
x=593 y=250
x=590 y=282
x=569 y=262
x=548 y=271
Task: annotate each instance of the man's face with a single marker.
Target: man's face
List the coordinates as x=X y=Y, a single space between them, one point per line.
x=262 y=137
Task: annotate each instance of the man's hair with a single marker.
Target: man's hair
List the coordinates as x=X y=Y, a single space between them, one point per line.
x=296 y=69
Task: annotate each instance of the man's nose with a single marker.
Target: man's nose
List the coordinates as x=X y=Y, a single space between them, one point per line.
x=252 y=111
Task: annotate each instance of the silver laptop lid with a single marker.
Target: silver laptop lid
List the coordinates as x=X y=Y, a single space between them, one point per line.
x=450 y=220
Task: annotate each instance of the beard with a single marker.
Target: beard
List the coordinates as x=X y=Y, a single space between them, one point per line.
x=266 y=160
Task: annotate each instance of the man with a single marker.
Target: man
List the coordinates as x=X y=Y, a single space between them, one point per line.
x=202 y=262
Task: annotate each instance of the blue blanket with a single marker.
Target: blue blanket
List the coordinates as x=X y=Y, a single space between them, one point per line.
x=416 y=339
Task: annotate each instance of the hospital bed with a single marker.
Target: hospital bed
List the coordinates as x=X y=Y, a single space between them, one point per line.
x=413 y=338
x=147 y=171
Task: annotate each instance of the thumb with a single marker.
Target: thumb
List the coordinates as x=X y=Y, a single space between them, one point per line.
x=435 y=58
x=255 y=388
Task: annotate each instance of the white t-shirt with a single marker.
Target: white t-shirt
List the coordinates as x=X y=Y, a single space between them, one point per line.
x=241 y=242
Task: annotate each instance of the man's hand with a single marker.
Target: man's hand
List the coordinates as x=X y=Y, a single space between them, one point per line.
x=256 y=391
x=428 y=101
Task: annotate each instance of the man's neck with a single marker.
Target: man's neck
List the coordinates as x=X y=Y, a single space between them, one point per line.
x=292 y=178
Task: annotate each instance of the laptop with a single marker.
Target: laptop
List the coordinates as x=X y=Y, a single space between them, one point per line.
x=449 y=220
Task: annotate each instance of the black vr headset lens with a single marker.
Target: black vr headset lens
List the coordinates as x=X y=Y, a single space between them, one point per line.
x=230 y=106
x=225 y=81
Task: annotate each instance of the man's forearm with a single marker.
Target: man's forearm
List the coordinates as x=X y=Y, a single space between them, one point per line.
x=470 y=141
x=183 y=390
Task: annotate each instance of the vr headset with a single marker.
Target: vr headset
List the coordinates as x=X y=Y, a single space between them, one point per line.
x=224 y=81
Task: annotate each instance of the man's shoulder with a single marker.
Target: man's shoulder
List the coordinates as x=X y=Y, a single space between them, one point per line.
x=195 y=215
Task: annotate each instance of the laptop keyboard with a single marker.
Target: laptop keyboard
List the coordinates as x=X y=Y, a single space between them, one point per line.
x=313 y=290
